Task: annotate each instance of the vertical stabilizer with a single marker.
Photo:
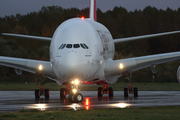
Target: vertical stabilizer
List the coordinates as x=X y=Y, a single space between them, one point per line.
x=92 y=11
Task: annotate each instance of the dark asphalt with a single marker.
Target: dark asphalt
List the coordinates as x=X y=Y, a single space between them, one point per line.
x=11 y=101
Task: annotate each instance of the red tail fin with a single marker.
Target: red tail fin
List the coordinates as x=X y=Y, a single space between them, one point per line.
x=92 y=11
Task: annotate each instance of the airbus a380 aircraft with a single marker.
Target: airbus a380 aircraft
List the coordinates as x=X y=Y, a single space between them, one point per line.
x=81 y=52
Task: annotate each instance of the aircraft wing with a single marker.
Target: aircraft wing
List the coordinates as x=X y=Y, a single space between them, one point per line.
x=118 y=67
x=32 y=66
x=121 y=40
x=28 y=37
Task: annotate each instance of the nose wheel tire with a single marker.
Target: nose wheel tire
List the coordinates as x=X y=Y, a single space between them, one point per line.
x=75 y=98
x=78 y=97
x=71 y=98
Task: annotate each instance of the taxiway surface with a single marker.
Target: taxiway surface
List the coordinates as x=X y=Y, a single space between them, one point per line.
x=18 y=100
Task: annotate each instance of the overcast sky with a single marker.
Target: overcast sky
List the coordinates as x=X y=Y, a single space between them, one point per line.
x=12 y=7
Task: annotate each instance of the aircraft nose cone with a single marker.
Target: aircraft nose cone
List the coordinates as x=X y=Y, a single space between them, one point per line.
x=71 y=68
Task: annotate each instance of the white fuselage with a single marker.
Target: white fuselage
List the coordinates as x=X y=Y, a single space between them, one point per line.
x=79 y=50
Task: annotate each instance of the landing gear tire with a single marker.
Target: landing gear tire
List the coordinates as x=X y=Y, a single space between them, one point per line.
x=78 y=97
x=62 y=93
x=71 y=98
x=37 y=94
x=135 y=92
x=125 y=92
x=111 y=92
x=100 y=91
x=46 y=93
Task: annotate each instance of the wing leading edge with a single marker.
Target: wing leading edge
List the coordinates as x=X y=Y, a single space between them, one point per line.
x=117 y=67
x=28 y=37
x=121 y=40
x=28 y=65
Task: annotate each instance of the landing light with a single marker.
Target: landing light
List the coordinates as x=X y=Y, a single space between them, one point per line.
x=121 y=66
x=40 y=67
x=75 y=82
x=74 y=91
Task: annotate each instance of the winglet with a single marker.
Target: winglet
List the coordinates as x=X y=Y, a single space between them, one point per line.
x=92 y=11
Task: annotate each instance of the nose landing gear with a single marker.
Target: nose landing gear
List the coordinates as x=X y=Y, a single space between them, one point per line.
x=73 y=91
x=77 y=97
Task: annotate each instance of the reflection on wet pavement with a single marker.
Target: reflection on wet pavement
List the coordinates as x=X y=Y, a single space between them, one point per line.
x=18 y=100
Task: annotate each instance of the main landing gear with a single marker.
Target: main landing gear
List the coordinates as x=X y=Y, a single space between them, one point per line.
x=73 y=91
x=129 y=90
x=105 y=90
x=42 y=91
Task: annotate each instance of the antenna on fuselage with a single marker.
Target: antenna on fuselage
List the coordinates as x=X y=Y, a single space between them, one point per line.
x=92 y=10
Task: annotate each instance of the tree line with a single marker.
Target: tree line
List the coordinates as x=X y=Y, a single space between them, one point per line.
x=119 y=21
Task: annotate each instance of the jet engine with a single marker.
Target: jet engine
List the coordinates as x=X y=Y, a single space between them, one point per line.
x=178 y=74
x=18 y=71
x=153 y=69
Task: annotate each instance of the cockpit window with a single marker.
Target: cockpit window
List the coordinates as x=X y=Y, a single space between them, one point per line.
x=69 y=46
x=76 y=46
x=83 y=45
x=61 y=46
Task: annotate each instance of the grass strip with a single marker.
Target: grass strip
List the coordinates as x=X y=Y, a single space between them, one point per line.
x=134 y=113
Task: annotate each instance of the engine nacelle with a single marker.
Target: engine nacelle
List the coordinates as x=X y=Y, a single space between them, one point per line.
x=18 y=71
x=178 y=74
x=153 y=69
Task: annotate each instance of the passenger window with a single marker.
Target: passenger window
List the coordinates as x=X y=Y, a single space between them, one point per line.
x=76 y=46
x=61 y=46
x=69 y=46
x=83 y=46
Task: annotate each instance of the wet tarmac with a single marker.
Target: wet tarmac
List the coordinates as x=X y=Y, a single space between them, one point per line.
x=11 y=101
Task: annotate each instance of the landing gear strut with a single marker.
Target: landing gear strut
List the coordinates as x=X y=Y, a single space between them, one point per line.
x=105 y=90
x=130 y=90
x=42 y=91
x=73 y=91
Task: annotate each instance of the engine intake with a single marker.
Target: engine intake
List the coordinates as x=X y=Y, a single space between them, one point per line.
x=18 y=71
